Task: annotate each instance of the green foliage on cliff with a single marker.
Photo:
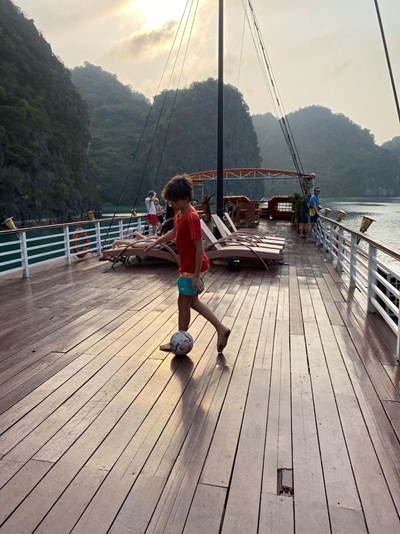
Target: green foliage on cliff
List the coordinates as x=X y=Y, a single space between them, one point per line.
x=344 y=156
x=43 y=128
x=117 y=116
x=177 y=134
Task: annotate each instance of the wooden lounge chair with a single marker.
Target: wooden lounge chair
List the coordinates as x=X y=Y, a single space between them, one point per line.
x=247 y=237
x=249 y=232
x=123 y=254
x=227 y=247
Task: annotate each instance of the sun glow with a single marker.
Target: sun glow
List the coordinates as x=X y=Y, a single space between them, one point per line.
x=158 y=12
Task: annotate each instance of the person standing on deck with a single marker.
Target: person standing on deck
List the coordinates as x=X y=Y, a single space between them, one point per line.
x=151 y=210
x=160 y=214
x=194 y=262
x=314 y=206
x=304 y=226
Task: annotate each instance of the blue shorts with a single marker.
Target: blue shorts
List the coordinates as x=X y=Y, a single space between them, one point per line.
x=185 y=286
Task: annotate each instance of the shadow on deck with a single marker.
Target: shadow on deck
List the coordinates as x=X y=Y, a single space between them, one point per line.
x=295 y=429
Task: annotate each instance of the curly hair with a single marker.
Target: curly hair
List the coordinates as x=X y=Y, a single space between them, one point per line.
x=180 y=187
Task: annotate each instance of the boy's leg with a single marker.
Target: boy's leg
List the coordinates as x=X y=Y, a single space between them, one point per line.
x=184 y=302
x=222 y=331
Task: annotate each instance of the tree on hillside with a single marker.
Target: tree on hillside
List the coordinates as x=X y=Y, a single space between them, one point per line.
x=180 y=133
x=394 y=147
x=342 y=154
x=117 y=117
x=43 y=127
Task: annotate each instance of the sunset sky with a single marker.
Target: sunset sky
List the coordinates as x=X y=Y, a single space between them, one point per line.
x=325 y=52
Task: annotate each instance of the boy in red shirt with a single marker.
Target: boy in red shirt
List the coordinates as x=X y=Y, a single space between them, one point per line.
x=194 y=262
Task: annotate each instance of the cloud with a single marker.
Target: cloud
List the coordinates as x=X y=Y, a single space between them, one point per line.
x=146 y=45
x=73 y=13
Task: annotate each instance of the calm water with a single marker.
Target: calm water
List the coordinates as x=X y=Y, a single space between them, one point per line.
x=386 y=212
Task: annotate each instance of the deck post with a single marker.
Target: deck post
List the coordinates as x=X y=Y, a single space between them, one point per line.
x=371 y=277
x=98 y=237
x=67 y=246
x=353 y=261
x=398 y=345
x=121 y=228
x=24 y=254
x=331 y=242
x=340 y=250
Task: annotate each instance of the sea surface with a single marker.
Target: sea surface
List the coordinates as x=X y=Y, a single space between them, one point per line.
x=384 y=211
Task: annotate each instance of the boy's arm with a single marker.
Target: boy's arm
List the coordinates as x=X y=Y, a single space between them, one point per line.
x=197 y=283
x=169 y=236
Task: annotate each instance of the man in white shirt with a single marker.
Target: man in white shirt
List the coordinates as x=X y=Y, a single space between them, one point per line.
x=151 y=210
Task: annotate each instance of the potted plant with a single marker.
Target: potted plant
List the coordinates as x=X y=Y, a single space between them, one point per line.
x=297 y=201
x=205 y=205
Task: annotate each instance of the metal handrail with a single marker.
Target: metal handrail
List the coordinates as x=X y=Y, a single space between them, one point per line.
x=30 y=248
x=365 y=271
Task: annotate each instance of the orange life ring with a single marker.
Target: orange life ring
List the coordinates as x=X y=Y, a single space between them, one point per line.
x=78 y=246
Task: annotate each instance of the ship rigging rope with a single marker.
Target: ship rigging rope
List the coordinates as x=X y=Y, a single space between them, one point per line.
x=166 y=91
x=271 y=84
x=144 y=129
x=387 y=58
x=176 y=90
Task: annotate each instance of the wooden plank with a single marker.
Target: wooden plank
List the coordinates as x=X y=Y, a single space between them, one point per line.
x=108 y=500
x=263 y=359
x=37 y=504
x=393 y=411
x=218 y=467
x=17 y=393
x=206 y=510
x=311 y=509
x=19 y=486
x=380 y=432
x=384 y=386
x=242 y=508
x=347 y=521
x=278 y=444
x=339 y=481
x=276 y=515
x=296 y=319
x=53 y=392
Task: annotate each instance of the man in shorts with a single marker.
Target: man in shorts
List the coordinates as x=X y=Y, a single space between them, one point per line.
x=151 y=211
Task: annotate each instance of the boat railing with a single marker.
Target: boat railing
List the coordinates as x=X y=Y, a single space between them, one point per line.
x=23 y=248
x=367 y=265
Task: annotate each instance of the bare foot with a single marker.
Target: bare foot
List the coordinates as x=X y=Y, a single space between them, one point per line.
x=166 y=347
x=223 y=339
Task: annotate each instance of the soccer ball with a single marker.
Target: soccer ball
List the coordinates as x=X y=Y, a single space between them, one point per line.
x=181 y=343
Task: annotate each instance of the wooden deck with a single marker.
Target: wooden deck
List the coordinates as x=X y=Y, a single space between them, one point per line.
x=295 y=429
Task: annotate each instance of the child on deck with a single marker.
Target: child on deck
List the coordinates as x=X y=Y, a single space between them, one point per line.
x=194 y=263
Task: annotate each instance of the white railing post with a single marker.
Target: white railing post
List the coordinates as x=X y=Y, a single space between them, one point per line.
x=398 y=341
x=24 y=254
x=331 y=242
x=121 y=228
x=372 y=266
x=139 y=224
x=340 y=250
x=67 y=246
x=353 y=261
x=98 y=237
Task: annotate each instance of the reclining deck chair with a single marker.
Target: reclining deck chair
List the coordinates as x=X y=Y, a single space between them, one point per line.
x=227 y=247
x=248 y=237
x=123 y=254
x=245 y=231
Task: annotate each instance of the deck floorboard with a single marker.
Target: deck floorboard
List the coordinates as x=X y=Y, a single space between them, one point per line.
x=294 y=430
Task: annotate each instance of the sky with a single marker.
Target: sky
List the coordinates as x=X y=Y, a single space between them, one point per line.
x=322 y=52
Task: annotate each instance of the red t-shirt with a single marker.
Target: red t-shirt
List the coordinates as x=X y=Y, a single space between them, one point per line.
x=188 y=229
